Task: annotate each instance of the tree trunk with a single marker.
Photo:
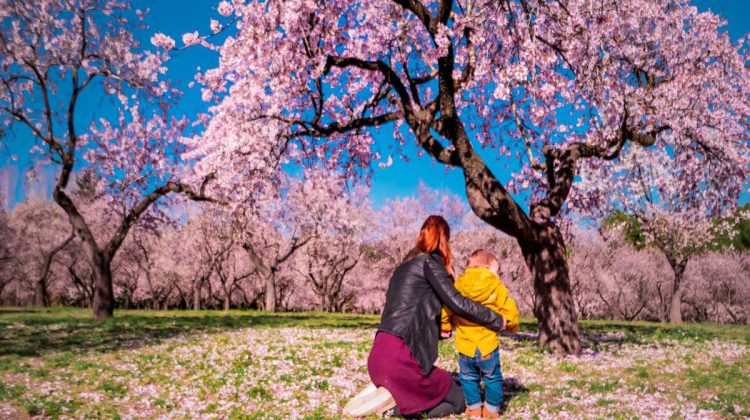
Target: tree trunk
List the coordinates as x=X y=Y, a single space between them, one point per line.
x=104 y=297
x=41 y=298
x=197 y=294
x=675 y=307
x=675 y=304
x=226 y=302
x=40 y=292
x=270 y=295
x=267 y=272
x=554 y=307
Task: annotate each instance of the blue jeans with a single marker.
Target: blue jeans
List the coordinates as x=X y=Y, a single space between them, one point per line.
x=472 y=370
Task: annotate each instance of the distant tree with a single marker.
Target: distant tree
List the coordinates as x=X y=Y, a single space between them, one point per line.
x=719 y=288
x=54 y=53
x=654 y=207
x=270 y=242
x=42 y=233
x=339 y=223
x=7 y=248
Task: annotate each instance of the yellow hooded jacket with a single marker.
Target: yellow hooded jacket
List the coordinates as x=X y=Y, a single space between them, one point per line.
x=483 y=286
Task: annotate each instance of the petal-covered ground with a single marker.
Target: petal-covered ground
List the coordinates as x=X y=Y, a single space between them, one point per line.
x=309 y=365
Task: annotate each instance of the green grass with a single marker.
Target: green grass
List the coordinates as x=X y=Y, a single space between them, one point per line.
x=66 y=346
x=641 y=331
x=34 y=331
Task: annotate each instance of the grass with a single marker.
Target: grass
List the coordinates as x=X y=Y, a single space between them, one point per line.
x=34 y=331
x=58 y=362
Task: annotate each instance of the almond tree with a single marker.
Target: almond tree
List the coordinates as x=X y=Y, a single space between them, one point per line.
x=7 y=249
x=545 y=86
x=42 y=234
x=655 y=204
x=719 y=290
x=338 y=225
x=53 y=53
x=276 y=230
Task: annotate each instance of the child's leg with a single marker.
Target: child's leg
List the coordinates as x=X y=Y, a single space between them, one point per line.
x=468 y=375
x=493 y=381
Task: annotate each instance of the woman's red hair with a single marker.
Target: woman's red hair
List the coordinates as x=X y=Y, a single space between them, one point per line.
x=435 y=235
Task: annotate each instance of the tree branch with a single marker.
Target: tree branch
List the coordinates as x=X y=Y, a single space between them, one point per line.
x=139 y=209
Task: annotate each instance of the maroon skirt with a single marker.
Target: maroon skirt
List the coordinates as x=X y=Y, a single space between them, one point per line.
x=392 y=366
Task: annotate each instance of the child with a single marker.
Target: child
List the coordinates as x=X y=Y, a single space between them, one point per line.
x=479 y=358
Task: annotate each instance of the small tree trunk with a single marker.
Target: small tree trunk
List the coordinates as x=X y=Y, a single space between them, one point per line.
x=40 y=292
x=675 y=305
x=104 y=297
x=41 y=298
x=226 y=302
x=554 y=307
x=270 y=295
x=197 y=294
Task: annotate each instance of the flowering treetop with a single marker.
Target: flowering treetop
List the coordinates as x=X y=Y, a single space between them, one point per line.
x=53 y=53
x=544 y=83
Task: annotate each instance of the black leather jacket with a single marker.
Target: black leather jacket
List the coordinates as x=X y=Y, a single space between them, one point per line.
x=416 y=292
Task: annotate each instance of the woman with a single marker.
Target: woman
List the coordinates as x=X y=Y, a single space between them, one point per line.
x=405 y=347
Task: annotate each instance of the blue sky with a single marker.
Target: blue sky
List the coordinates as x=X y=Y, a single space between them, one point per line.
x=175 y=17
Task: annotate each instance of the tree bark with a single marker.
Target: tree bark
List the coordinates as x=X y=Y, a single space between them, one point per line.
x=40 y=293
x=270 y=295
x=104 y=297
x=675 y=305
x=197 y=286
x=554 y=307
x=266 y=272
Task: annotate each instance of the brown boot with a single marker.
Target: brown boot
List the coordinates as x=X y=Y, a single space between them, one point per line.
x=489 y=414
x=475 y=413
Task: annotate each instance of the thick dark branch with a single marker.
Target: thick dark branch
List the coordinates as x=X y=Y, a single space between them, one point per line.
x=412 y=86
x=468 y=72
x=419 y=121
x=416 y=7
x=315 y=129
x=439 y=152
x=444 y=11
x=380 y=66
x=297 y=243
x=561 y=181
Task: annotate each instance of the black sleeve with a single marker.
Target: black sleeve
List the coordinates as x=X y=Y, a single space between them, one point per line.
x=441 y=282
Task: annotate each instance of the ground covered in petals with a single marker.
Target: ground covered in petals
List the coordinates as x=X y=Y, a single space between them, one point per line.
x=58 y=363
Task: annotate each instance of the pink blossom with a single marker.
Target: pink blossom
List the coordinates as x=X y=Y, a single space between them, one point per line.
x=191 y=38
x=162 y=41
x=225 y=8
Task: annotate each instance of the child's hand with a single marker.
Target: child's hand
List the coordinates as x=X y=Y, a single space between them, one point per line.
x=445 y=334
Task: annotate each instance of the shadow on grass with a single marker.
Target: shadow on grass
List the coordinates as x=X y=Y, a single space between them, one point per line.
x=512 y=388
x=32 y=332
x=595 y=332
